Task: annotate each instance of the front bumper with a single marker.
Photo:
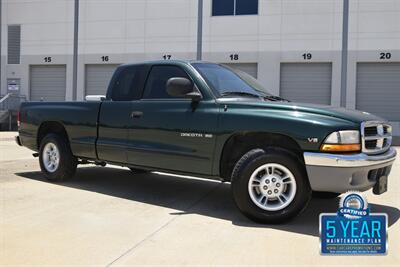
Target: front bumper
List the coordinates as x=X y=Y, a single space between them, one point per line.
x=341 y=173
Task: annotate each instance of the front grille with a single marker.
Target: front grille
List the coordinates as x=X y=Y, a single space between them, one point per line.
x=368 y=131
x=386 y=130
x=376 y=137
x=370 y=144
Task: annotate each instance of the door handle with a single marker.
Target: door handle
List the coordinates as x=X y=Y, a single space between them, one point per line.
x=136 y=114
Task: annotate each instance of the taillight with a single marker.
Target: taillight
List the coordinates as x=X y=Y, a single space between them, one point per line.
x=18 y=119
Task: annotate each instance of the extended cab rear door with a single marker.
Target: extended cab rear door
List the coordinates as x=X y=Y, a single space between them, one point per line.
x=115 y=114
x=171 y=133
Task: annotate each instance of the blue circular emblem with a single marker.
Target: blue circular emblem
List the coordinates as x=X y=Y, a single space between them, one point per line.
x=353 y=205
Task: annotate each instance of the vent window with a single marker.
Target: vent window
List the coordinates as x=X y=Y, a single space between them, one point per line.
x=14 y=44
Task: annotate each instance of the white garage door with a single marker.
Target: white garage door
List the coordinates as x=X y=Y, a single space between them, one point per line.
x=306 y=82
x=97 y=78
x=378 y=91
x=47 y=83
x=249 y=68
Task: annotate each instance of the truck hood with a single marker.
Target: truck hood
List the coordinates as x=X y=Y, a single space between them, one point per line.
x=336 y=112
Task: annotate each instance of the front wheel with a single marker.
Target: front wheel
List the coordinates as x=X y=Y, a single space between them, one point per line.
x=270 y=186
x=56 y=159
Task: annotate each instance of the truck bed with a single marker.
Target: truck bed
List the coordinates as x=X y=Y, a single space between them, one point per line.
x=79 y=119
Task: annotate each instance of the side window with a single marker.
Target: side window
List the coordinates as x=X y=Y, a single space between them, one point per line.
x=234 y=7
x=223 y=7
x=246 y=7
x=128 y=85
x=156 y=86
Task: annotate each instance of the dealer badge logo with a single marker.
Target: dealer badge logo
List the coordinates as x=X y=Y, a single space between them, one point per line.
x=353 y=230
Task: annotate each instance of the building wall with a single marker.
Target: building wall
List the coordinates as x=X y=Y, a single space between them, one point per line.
x=137 y=30
x=134 y=31
x=46 y=31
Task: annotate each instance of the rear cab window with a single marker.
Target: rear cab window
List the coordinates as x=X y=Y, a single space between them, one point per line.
x=128 y=83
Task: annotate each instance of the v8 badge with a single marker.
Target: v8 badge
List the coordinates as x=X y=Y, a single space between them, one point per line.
x=312 y=140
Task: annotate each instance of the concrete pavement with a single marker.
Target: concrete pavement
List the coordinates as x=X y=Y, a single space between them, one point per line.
x=108 y=216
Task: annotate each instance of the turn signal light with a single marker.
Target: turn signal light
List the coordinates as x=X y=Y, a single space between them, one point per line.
x=341 y=147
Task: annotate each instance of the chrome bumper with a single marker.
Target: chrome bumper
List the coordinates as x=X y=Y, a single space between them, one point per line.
x=352 y=160
x=341 y=173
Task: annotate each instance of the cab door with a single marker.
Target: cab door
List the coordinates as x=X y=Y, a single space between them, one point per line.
x=115 y=113
x=171 y=133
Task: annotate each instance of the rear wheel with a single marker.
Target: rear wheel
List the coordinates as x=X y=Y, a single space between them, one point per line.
x=56 y=159
x=270 y=186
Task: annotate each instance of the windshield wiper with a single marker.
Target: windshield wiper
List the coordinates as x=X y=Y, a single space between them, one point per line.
x=275 y=98
x=239 y=93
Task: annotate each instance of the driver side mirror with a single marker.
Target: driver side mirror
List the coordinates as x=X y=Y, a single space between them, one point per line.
x=182 y=88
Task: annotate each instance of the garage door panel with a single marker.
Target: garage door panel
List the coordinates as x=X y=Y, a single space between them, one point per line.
x=306 y=82
x=47 y=82
x=378 y=89
x=97 y=78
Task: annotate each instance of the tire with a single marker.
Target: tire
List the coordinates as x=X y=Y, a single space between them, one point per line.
x=67 y=163
x=279 y=161
x=138 y=171
x=325 y=195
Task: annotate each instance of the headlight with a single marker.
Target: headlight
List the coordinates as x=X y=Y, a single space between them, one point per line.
x=342 y=141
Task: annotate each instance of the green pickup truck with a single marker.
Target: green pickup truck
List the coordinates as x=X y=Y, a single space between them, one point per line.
x=205 y=119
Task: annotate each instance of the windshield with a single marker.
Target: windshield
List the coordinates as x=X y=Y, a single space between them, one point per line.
x=225 y=80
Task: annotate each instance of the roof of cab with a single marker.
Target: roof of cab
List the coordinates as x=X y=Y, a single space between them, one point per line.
x=161 y=62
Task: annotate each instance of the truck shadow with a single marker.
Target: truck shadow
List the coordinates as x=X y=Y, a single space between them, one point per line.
x=192 y=196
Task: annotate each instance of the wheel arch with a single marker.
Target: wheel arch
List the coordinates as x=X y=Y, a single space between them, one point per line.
x=50 y=127
x=240 y=143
